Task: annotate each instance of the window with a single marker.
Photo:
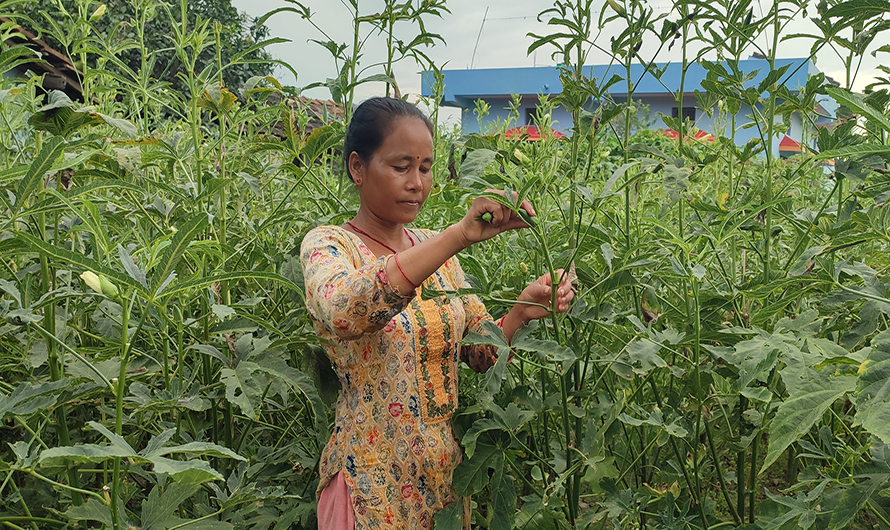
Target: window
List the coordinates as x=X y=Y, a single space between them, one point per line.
x=688 y=113
x=531 y=113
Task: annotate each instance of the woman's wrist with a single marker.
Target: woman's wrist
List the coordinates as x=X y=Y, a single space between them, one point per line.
x=456 y=238
x=514 y=320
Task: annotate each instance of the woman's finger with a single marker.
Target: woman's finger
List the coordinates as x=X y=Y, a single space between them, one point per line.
x=527 y=206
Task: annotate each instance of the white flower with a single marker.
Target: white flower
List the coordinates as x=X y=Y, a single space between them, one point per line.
x=92 y=280
x=100 y=284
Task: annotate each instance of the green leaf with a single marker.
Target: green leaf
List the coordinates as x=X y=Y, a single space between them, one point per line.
x=200 y=448
x=120 y=124
x=320 y=141
x=547 y=350
x=503 y=500
x=855 y=497
x=181 y=240
x=298 y=382
x=514 y=417
x=207 y=349
x=185 y=471
x=63 y=121
x=479 y=426
x=794 y=507
x=811 y=392
x=855 y=151
x=28 y=398
x=91 y=510
x=450 y=517
x=117 y=441
x=242 y=389
x=856 y=9
x=83 y=453
x=130 y=266
x=857 y=101
x=873 y=392
x=608 y=254
x=157 y=441
x=44 y=161
x=199 y=283
x=471 y=475
x=617 y=174
x=11 y=290
x=80 y=260
x=644 y=352
x=158 y=508
x=476 y=162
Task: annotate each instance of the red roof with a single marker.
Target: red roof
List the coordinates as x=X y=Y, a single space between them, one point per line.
x=699 y=135
x=518 y=133
x=788 y=144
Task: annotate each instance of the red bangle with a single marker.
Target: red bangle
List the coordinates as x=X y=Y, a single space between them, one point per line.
x=396 y=256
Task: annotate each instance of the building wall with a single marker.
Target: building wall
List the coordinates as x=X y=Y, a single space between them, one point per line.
x=658 y=105
x=499 y=114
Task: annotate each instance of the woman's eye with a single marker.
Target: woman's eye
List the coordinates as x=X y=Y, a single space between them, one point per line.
x=401 y=169
x=425 y=170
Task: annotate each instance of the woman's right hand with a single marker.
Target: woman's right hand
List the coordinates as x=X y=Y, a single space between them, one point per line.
x=474 y=229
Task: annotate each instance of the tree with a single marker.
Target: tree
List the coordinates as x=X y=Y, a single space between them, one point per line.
x=57 y=20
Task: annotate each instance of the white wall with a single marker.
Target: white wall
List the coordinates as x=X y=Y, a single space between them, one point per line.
x=659 y=104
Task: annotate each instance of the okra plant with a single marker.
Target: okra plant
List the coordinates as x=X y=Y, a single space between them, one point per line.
x=724 y=365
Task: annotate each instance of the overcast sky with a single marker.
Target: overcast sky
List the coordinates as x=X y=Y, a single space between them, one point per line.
x=503 y=41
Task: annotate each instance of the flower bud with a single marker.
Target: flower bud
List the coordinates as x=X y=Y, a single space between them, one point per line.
x=97 y=14
x=92 y=280
x=100 y=284
x=108 y=289
x=520 y=156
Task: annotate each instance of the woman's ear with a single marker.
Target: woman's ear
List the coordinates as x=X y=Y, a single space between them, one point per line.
x=356 y=167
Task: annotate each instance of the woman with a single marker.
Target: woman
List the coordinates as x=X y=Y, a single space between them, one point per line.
x=390 y=458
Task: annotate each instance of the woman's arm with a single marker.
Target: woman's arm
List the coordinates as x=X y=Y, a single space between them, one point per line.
x=481 y=357
x=347 y=301
x=420 y=261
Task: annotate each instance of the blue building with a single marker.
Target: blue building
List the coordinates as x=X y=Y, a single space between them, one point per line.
x=495 y=86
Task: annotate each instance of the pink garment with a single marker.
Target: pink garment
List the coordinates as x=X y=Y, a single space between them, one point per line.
x=335 y=506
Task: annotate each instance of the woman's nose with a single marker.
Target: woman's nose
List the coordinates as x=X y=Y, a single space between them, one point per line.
x=415 y=179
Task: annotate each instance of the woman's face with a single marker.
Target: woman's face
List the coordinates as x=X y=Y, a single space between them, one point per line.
x=396 y=181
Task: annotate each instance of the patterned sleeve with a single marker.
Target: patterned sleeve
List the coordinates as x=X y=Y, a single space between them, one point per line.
x=347 y=301
x=480 y=357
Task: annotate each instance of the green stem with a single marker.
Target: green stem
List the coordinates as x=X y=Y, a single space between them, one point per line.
x=33 y=520
x=15 y=489
x=719 y=469
x=682 y=463
x=64 y=486
x=126 y=304
x=740 y=461
x=56 y=366
x=753 y=478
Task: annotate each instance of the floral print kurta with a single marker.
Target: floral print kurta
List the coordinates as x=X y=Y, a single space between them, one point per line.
x=397 y=358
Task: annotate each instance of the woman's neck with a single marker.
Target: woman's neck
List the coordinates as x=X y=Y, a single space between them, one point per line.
x=392 y=234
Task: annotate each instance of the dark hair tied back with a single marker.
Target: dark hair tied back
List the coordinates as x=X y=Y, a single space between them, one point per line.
x=372 y=122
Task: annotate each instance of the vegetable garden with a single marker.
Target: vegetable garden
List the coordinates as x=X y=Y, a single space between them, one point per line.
x=726 y=363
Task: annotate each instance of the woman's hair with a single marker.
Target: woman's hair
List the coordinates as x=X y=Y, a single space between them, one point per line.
x=372 y=122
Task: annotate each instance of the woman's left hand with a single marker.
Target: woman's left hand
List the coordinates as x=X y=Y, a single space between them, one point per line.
x=539 y=292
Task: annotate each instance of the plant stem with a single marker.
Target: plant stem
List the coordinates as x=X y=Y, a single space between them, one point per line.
x=56 y=366
x=719 y=469
x=753 y=478
x=126 y=304
x=740 y=461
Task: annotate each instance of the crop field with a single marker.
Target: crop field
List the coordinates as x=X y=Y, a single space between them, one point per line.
x=726 y=363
